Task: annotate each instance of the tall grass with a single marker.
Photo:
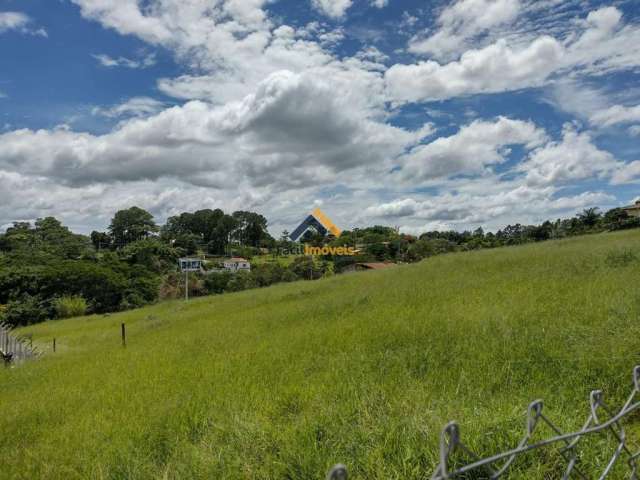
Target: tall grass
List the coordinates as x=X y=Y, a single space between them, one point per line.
x=70 y=306
x=363 y=369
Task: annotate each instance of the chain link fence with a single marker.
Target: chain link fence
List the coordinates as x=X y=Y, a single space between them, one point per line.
x=602 y=420
x=15 y=348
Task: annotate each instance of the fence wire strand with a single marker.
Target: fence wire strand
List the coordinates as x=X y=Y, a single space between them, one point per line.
x=601 y=420
x=14 y=348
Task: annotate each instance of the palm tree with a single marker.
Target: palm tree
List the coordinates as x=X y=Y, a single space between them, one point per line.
x=589 y=217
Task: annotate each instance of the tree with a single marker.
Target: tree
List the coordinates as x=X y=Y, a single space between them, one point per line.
x=130 y=225
x=205 y=227
x=187 y=243
x=222 y=235
x=150 y=253
x=100 y=240
x=47 y=239
x=619 y=219
x=251 y=229
x=615 y=215
x=56 y=239
x=589 y=217
x=19 y=236
x=205 y=223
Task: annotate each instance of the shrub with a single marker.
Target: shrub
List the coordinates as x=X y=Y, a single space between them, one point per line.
x=308 y=268
x=289 y=276
x=217 y=282
x=170 y=287
x=241 y=281
x=26 y=310
x=70 y=306
x=196 y=286
x=620 y=258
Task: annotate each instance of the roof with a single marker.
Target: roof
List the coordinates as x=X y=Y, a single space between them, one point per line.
x=635 y=206
x=376 y=266
x=237 y=260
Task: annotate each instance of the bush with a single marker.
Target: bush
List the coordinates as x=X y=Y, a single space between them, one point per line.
x=70 y=306
x=26 y=310
x=216 y=283
x=620 y=258
x=241 y=281
x=196 y=286
x=170 y=286
x=308 y=268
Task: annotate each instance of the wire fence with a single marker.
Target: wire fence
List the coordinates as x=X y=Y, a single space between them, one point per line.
x=602 y=420
x=15 y=348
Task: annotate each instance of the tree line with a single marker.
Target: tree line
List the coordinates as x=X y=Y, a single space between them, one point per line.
x=212 y=230
x=381 y=243
x=47 y=271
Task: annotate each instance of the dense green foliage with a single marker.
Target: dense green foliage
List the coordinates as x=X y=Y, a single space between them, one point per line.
x=135 y=262
x=363 y=369
x=268 y=273
x=45 y=268
x=131 y=225
x=386 y=244
x=70 y=306
x=214 y=231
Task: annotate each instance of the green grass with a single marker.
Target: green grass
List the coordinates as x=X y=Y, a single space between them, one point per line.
x=363 y=369
x=283 y=261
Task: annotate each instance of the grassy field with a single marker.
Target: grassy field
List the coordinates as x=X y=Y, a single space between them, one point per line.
x=284 y=261
x=364 y=369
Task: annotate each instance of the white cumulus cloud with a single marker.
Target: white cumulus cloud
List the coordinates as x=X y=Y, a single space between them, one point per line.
x=134 y=107
x=616 y=114
x=19 y=22
x=110 y=62
x=460 y=22
x=495 y=68
x=472 y=150
x=291 y=131
x=332 y=8
x=575 y=157
x=600 y=44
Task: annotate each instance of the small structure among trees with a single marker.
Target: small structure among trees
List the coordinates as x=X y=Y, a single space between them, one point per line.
x=633 y=210
x=237 y=264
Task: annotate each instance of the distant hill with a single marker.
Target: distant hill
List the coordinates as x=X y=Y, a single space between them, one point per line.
x=364 y=369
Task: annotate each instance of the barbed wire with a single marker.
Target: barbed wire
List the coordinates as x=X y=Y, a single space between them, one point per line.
x=497 y=466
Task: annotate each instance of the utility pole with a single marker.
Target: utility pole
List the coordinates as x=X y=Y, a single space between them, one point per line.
x=186 y=285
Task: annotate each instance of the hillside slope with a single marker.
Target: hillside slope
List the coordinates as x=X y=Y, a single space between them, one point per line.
x=363 y=368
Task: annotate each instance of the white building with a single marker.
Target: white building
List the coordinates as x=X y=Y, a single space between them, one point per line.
x=237 y=264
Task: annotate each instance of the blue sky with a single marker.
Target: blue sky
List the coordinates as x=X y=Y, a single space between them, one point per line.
x=418 y=114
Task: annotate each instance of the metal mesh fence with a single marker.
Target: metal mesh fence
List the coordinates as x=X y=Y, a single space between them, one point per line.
x=601 y=421
x=14 y=348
